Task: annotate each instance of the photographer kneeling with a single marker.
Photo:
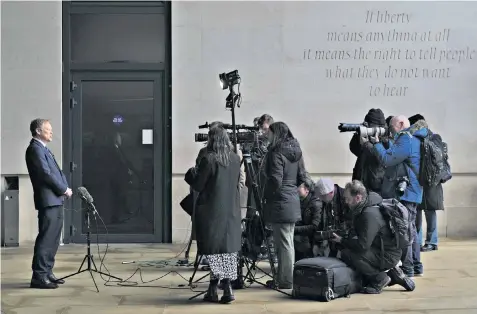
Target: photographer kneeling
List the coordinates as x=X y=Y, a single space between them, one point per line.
x=310 y=220
x=370 y=249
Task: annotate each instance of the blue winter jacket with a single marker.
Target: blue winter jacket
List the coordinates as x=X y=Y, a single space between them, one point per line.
x=406 y=149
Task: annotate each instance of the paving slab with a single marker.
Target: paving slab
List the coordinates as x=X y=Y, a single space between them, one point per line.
x=157 y=285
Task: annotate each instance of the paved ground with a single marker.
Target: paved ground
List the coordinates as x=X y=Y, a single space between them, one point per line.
x=449 y=287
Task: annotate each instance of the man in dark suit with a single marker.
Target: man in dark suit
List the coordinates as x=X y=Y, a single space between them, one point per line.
x=49 y=191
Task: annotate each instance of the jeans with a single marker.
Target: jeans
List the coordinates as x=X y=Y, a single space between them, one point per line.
x=285 y=249
x=411 y=256
x=431 y=232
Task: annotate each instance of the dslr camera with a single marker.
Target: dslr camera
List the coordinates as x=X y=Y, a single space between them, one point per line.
x=363 y=129
x=403 y=183
x=328 y=234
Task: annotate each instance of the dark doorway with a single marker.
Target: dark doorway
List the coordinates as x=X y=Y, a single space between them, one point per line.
x=118 y=119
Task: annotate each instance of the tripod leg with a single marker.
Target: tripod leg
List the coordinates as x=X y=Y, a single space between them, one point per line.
x=73 y=274
x=94 y=281
x=82 y=263
x=188 y=248
x=107 y=275
x=196 y=265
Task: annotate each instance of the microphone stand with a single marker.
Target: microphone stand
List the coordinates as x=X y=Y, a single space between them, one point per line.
x=89 y=257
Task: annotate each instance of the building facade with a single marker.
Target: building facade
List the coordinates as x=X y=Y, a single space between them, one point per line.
x=126 y=84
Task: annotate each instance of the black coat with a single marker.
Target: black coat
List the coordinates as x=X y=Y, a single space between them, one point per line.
x=370 y=229
x=310 y=222
x=368 y=168
x=217 y=212
x=282 y=204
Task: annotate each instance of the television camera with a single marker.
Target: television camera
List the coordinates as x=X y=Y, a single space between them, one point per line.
x=363 y=129
x=247 y=137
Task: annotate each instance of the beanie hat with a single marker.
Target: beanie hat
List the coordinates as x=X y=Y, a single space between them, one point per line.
x=375 y=117
x=416 y=118
x=388 y=120
x=323 y=187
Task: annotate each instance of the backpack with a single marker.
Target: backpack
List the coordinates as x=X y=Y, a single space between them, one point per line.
x=432 y=165
x=447 y=173
x=397 y=217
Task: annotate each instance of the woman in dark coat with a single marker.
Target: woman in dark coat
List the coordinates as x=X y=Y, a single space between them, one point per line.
x=282 y=204
x=217 y=212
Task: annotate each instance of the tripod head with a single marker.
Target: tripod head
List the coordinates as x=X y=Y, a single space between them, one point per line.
x=229 y=80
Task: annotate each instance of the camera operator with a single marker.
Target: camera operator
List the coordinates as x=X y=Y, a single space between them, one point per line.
x=217 y=215
x=281 y=201
x=310 y=220
x=367 y=168
x=402 y=161
x=371 y=250
x=264 y=123
x=335 y=213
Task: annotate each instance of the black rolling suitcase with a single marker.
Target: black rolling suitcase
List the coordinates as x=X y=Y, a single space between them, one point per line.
x=324 y=279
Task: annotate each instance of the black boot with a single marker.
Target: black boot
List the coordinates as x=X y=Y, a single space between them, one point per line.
x=228 y=295
x=211 y=294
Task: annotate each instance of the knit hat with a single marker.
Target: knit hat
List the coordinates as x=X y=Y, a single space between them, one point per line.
x=324 y=186
x=375 y=117
x=415 y=118
x=388 y=120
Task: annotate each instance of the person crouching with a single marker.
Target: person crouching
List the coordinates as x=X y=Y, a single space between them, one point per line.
x=371 y=249
x=310 y=220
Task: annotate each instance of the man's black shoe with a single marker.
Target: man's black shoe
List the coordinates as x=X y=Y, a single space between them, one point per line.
x=42 y=283
x=55 y=280
x=429 y=248
x=377 y=287
x=399 y=278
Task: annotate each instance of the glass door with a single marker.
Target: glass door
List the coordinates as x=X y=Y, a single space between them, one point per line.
x=116 y=153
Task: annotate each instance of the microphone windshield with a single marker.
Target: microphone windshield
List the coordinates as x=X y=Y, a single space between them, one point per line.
x=83 y=193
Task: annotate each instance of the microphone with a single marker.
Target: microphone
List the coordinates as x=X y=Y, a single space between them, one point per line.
x=84 y=194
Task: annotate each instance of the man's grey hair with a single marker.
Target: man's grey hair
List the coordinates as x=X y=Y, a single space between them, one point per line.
x=37 y=124
x=355 y=188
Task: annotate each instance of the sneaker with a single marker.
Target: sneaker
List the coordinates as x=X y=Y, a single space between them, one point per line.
x=378 y=287
x=418 y=274
x=399 y=278
x=429 y=248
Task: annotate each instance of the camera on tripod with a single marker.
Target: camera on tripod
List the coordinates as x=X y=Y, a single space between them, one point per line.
x=403 y=183
x=363 y=129
x=247 y=135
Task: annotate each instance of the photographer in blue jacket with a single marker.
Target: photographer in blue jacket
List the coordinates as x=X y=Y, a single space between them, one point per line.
x=402 y=161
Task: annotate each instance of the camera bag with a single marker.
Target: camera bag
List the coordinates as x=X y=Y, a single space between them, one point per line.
x=324 y=279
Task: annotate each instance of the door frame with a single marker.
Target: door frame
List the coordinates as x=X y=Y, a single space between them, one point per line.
x=158 y=143
x=125 y=69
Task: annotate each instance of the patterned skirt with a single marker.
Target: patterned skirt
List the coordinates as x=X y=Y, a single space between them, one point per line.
x=223 y=266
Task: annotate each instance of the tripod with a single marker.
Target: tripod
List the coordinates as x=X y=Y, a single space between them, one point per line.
x=191 y=279
x=89 y=257
x=250 y=172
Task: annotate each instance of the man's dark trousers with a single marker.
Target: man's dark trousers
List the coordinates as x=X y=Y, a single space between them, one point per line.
x=371 y=264
x=411 y=256
x=50 y=223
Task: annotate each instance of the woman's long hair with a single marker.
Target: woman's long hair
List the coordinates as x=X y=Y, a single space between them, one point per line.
x=280 y=133
x=219 y=144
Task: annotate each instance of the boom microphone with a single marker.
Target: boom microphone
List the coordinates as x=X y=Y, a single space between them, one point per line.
x=84 y=194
